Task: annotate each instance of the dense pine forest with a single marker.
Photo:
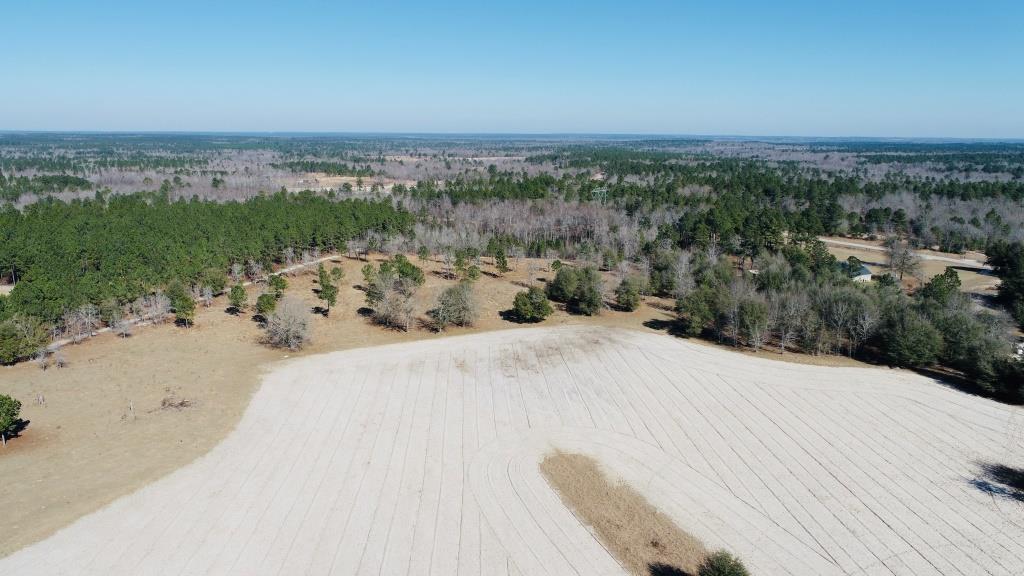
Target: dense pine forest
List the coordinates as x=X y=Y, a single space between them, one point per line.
x=727 y=229
x=63 y=255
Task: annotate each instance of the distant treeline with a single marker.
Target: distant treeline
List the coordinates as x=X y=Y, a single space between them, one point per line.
x=11 y=188
x=329 y=168
x=723 y=197
x=63 y=255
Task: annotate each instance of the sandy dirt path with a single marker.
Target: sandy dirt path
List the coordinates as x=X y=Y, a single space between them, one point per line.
x=421 y=458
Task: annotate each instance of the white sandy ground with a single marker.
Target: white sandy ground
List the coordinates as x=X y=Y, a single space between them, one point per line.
x=421 y=458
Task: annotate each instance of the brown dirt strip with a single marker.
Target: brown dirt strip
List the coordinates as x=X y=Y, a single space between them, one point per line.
x=643 y=539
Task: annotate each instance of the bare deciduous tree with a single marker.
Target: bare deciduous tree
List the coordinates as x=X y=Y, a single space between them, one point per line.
x=288 y=326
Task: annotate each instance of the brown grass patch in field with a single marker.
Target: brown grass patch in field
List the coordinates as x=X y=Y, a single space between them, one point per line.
x=641 y=538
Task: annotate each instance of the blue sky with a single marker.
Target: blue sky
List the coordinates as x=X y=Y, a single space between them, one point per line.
x=927 y=69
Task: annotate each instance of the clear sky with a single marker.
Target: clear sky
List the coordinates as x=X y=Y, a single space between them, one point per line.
x=934 y=68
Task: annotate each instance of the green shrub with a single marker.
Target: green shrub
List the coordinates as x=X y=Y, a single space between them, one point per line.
x=531 y=305
x=909 y=339
x=627 y=294
x=9 y=410
x=722 y=563
x=563 y=287
x=278 y=284
x=238 y=298
x=265 y=304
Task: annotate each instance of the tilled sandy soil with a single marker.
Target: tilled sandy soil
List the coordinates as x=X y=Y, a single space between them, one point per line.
x=422 y=458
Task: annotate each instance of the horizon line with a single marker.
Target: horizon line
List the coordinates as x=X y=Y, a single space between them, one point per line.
x=769 y=138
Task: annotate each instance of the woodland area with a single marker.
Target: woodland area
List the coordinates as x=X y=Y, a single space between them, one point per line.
x=728 y=230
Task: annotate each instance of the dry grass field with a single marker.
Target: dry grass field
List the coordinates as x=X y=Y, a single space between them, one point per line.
x=423 y=458
x=643 y=540
x=973 y=278
x=105 y=429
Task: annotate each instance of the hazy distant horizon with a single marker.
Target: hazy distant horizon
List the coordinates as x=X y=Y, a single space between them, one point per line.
x=768 y=138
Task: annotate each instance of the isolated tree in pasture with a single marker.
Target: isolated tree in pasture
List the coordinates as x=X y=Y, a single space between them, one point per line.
x=501 y=261
x=563 y=287
x=288 y=325
x=337 y=274
x=329 y=295
x=531 y=305
x=9 y=410
x=456 y=305
x=265 y=304
x=393 y=308
x=238 y=298
x=902 y=258
x=627 y=294
x=472 y=273
x=278 y=284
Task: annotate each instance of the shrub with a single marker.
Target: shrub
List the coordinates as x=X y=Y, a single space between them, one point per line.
x=405 y=269
x=457 y=306
x=9 y=409
x=501 y=261
x=580 y=289
x=627 y=294
x=278 y=284
x=722 y=563
x=238 y=298
x=265 y=304
x=288 y=326
x=185 y=310
x=531 y=305
x=563 y=287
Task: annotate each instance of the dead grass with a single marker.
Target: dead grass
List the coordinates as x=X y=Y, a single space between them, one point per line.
x=106 y=423
x=641 y=538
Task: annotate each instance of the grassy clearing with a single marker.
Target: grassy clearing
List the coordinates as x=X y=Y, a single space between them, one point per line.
x=644 y=540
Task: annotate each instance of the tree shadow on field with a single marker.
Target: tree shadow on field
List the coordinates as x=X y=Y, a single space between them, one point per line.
x=16 y=430
x=511 y=316
x=1002 y=481
x=672 y=327
x=659 y=569
x=364 y=311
